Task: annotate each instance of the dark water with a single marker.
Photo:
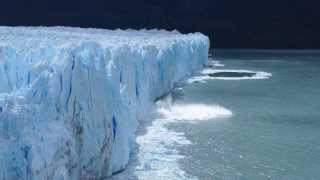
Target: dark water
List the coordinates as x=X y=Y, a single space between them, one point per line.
x=274 y=130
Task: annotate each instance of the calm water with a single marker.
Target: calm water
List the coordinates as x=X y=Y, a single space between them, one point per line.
x=273 y=132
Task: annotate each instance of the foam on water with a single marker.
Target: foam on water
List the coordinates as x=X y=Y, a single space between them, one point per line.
x=158 y=155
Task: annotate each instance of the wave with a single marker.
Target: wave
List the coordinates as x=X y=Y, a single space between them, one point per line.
x=229 y=74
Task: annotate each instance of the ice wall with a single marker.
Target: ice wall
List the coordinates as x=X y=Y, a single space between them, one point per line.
x=71 y=99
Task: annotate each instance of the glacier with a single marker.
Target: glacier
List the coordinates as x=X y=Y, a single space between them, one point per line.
x=71 y=99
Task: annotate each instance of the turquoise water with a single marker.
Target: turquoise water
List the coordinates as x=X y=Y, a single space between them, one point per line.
x=274 y=130
x=261 y=127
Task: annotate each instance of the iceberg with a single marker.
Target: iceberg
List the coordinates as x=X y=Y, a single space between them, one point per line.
x=71 y=99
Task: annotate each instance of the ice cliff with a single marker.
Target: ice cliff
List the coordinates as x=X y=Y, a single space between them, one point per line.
x=71 y=99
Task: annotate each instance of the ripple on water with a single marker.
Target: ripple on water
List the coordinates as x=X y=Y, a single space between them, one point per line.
x=229 y=74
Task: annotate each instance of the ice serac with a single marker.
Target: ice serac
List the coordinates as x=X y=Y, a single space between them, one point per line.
x=71 y=99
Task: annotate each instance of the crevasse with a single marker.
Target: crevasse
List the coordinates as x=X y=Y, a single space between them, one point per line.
x=71 y=98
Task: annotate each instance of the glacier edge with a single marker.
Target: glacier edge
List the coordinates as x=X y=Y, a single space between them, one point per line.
x=71 y=99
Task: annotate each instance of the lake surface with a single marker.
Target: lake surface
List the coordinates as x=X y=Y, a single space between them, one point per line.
x=250 y=115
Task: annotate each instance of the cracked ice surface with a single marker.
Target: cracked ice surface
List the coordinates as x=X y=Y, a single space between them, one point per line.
x=71 y=99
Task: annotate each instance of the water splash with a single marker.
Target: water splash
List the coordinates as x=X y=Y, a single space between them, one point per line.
x=194 y=112
x=158 y=155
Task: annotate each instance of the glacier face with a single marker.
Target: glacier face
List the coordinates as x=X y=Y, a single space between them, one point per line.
x=71 y=99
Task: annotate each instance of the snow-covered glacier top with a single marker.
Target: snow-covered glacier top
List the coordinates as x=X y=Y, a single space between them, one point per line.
x=71 y=98
x=108 y=38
